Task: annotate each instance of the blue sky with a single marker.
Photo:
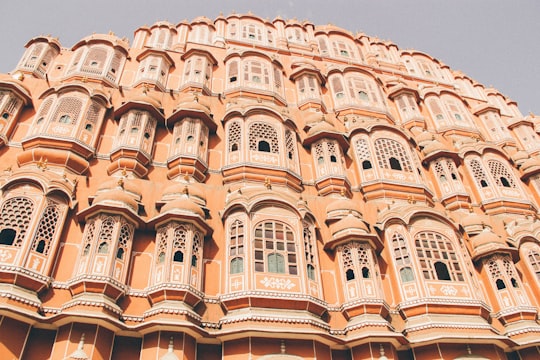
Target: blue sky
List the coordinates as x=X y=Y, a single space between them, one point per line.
x=495 y=42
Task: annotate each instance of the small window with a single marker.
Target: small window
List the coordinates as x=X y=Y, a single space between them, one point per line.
x=500 y=284
x=234 y=147
x=311 y=272
x=7 y=236
x=88 y=127
x=134 y=130
x=5 y=115
x=439 y=117
x=65 y=119
x=362 y=95
x=256 y=79
x=194 y=261
x=276 y=263
x=237 y=265
x=505 y=182
x=406 y=274
x=178 y=257
x=442 y=271
x=190 y=138
x=86 y=250
x=161 y=258
x=333 y=158
x=263 y=146
x=320 y=160
x=349 y=274
x=94 y=63
x=103 y=248
x=40 y=248
x=39 y=121
x=344 y=53
x=514 y=283
x=394 y=164
x=366 y=164
x=339 y=95
x=454 y=177
x=120 y=253
x=146 y=135
x=232 y=79
x=483 y=183
x=365 y=273
x=458 y=117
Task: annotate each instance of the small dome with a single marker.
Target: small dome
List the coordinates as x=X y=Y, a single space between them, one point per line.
x=520 y=156
x=433 y=146
x=193 y=106
x=487 y=240
x=344 y=205
x=183 y=205
x=348 y=224
x=147 y=98
x=530 y=163
x=424 y=138
x=320 y=127
x=181 y=189
x=313 y=118
x=117 y=197
x=127 y=185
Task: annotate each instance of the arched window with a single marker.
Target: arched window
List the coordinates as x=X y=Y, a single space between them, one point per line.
x=15 y=216
x=103 y=248
x=263 y=146
x=478 y=173
x=349 y=274
x=7 y=236
x=276 y=263
x=500 y=284
x=237 y=265
x=394 y=164
x=46 y=228
x=365 y=273
x=309 y=249
x=501 y=174
x=275 y=248
x=263 y=137
x=178 y=256
x=533 y=257
x=430 y=247
x=442 y=271
x=406 y=274
x=392 y=155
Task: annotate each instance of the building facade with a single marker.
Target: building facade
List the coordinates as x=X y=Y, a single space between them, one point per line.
x=251 y=189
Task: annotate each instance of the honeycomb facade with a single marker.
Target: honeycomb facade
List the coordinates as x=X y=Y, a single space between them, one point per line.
x=240 y=188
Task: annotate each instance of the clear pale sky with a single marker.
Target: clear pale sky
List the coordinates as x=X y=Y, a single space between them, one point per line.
x=496 y=42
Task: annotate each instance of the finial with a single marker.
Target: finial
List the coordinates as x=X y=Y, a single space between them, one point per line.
x=121 y=183
x=84 y=79
x=171 y=344
x=282 y=347
x=469 y=352
x=124 y=172
x=42 y=164
x=185 y=190
x=267 y=183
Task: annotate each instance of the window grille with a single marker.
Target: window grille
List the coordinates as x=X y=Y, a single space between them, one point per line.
x=387 y=149
x=46 y=228
x=260 y=131
x=500 y=174
x=435 y=250
x=275 y=249
x=16 y=214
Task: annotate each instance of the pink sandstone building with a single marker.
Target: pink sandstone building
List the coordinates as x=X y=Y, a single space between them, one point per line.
x=252 y=189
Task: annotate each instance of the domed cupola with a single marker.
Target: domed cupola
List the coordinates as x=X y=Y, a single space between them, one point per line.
x=487 y=242
x=182 y=202
x=116 y=196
